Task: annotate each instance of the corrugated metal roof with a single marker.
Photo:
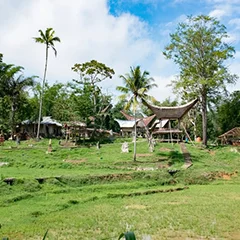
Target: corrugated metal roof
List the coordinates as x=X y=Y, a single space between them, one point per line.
x=125 y=123
x=50 y=121
x=46 y=120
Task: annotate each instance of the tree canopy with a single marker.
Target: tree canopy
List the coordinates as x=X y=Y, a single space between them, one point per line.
x=198 y=47
x=135 y=89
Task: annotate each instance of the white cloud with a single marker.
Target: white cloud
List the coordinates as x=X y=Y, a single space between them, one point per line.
x=217 y=13
x=89 y=31
x=235 y=22
x=163 y=91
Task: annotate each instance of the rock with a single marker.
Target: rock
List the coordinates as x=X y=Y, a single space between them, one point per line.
x=125 y=147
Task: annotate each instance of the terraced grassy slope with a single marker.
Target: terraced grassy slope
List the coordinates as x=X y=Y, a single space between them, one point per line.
x=86 y=193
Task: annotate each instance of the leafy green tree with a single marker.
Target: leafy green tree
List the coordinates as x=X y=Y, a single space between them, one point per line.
x=119 y=106
x=136 y=86
x=198 y=48
x=90 y=94
x=48 y=38
x=91 y=73
x=228 y=113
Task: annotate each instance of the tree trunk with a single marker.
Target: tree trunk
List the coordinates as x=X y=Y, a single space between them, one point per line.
x=204 y=119
x=41 y=93
x=135 y=138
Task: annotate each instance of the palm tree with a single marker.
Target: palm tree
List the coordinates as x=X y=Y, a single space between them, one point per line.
x=12 y=86
x=137 y=84
x=48 y=39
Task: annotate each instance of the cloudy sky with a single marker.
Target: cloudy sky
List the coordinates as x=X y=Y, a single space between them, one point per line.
x=119 y=33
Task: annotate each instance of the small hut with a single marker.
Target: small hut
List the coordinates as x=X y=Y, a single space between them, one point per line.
x=231 y=137
x=48 y=127
x=126 y=127
x=74 y=130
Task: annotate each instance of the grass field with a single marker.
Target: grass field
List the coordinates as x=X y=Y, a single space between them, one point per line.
x=90 y=193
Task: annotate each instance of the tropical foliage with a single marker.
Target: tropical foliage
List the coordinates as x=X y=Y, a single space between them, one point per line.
x=198 y=47
x=135 y=89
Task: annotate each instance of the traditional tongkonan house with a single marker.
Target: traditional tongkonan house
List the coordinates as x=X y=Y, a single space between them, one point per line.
x=170 y=114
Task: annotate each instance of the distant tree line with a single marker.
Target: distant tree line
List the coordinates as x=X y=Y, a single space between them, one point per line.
x=197 y=47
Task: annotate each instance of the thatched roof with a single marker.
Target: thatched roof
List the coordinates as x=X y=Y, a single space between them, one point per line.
x=145 y=122
x=171 y=112
x=128 y=117
x=142 y=122
x=235 y=132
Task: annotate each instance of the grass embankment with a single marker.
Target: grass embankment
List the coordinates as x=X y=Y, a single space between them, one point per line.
x=89 y=193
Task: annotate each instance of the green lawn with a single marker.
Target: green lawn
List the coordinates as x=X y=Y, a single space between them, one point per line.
x=90 y=193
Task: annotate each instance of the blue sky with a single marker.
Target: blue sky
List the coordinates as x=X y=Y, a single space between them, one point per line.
x=119 y=33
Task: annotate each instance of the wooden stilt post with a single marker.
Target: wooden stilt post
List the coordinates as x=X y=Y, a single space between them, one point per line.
x=187 y=135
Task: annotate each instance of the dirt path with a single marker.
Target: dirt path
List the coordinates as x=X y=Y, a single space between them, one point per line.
x=187 y=157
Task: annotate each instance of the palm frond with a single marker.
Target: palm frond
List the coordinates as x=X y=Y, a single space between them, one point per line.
x=54 y=49
x=38 y=40
x=122 y=89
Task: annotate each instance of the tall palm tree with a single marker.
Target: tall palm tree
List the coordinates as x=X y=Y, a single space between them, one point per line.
x=137 y=84
x=48 y=39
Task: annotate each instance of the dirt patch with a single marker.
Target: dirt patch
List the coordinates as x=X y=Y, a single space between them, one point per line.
x=136 y=206
x=233 y=235
x=144 y=154
x=162 y=166
x=226 y=176
x=165 y=149
x=175 y=203
x=221 y=175
x=212 y=153
x=75 y=161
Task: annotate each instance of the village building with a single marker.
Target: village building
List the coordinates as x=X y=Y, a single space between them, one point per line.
x=48 y=128
x=231 y=137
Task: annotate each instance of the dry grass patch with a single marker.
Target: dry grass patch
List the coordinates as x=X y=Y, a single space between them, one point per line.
x=136 y=206
x=77 y=161
x=144 y=154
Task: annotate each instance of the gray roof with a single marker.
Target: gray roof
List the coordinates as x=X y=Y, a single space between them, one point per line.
x=125 y=123
x=162 y=123
x=46 y=121
x=49 y=120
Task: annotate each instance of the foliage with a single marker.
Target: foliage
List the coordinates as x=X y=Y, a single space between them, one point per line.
x=127 y=236
x=89 y=96
x=136 y=86
x=13 y=95
x=199 y=49
x=228 y=113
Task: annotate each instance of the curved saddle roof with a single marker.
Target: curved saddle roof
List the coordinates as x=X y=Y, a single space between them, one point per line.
x=171 y=112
